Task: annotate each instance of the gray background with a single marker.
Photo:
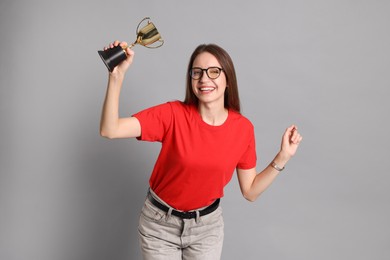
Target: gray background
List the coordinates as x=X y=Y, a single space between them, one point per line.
x=68 y=194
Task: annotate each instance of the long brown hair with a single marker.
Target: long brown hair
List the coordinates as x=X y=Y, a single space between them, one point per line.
x=232 y=100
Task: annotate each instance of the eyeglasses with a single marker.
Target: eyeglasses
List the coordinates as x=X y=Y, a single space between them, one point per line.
x=212 y=72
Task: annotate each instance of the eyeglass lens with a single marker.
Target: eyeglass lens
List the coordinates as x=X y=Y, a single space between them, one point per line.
x=212 y=72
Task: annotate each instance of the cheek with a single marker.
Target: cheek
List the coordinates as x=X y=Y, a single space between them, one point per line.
x=223 y=80
x=194 y=89
x=222 y=83
x=193 y=84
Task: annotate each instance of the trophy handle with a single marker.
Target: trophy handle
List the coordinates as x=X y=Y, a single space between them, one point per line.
x=137 y=30
x=161 y=41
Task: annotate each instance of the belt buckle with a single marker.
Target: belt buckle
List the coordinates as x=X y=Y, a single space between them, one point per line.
x=187 y=214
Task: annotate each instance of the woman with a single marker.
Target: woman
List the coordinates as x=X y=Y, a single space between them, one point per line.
x=204 y=139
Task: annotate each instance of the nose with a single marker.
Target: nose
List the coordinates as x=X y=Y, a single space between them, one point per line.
x=204 y=76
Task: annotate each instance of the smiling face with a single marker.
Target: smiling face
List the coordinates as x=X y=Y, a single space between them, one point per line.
x=206 y=56
x=208 y=91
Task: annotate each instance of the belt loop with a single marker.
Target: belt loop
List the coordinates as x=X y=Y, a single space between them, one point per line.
x=197 y=216
x=169 y=214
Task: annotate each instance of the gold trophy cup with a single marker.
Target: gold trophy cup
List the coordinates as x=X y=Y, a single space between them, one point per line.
x=146 y=36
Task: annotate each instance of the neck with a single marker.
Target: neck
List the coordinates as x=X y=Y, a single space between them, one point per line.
x=213 y=115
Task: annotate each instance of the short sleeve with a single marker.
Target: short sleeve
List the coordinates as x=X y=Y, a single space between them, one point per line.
x=155 y=122
x=249 y=158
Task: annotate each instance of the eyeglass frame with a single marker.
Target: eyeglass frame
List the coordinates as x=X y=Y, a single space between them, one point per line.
x=205 y=70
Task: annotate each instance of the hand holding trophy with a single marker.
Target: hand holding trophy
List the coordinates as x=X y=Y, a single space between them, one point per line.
x=146 y=36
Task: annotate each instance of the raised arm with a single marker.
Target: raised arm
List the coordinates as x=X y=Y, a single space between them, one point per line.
x=111 y=125
x=252 y=184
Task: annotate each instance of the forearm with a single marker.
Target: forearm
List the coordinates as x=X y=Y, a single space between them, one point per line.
x=110 y=112
x=254 y=184
x=266 y=177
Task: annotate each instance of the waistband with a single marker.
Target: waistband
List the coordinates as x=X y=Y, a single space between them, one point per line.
x=186 y=214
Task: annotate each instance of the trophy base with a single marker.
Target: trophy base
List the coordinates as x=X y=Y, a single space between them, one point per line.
x=112 y=57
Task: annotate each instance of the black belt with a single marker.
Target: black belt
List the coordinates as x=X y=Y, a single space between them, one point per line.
x=187 y=214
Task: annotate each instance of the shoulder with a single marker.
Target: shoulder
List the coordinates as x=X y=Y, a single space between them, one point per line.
x=165 y=109
x=181 y=108
x=240 y=120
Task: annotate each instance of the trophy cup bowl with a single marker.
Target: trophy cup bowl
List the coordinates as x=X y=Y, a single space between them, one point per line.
x=146 y=36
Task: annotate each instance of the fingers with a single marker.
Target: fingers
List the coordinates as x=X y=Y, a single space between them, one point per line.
x=292 y=135
x=129 y=52
x=114 y=44
x=124 y=45
x=295 y=136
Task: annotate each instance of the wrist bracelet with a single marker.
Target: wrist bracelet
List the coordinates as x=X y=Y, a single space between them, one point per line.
x=276 y=167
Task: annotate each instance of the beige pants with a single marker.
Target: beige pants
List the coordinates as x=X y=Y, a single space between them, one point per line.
x=167 y=237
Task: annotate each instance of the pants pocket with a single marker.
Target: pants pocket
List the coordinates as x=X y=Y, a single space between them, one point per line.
x=150 y=212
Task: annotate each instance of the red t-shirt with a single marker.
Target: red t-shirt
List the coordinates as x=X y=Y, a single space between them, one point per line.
x=196 y=160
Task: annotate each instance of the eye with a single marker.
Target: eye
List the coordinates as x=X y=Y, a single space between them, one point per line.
x=196 y=73
x=213 y=72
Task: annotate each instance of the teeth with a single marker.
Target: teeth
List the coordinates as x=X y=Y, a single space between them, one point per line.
x=206 y=89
